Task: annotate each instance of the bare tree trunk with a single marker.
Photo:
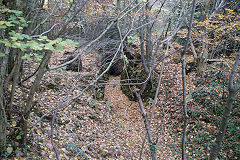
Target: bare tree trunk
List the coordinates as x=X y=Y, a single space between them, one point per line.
x=118 y=5
x=142 y=41
x=41 y=71
x=16 y=74
x=3 y=119
x=147 y=126
x=227 y=112
x=148 y=37
x=184 y=82
x=203 y=56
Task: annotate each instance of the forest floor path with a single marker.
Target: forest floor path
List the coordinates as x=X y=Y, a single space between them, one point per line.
x=112 y=128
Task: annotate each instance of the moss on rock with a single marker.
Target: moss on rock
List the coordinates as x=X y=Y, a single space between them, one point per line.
x=135 y=73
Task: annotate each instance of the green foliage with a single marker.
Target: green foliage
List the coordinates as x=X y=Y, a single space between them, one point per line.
x=2 y=54
x=14 y=26
x=132 y=38
x=19 y=135
x=99 y=92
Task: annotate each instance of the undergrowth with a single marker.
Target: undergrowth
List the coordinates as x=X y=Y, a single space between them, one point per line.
x=209 y=101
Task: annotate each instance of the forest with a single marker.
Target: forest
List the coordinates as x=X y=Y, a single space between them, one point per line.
x=120 y=79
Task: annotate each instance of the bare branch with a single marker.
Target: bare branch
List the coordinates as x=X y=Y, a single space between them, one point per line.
x=154 y=101
x=94 y=41
x=218 y=7
x=45 y=20
x=35 y=36
x=85 y=48
x=147 y=125
x=184 y=82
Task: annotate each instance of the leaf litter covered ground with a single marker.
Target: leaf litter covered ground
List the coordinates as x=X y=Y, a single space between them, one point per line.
x=109 y=129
